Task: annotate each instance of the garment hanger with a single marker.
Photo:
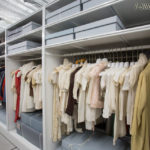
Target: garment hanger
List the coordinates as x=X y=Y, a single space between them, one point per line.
x=132 y=62
x=121 y=64
x=110 y=62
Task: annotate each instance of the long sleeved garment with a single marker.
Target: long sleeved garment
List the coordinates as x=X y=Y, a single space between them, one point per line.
x=71 y=100
x=140 y=129
x=17 y=83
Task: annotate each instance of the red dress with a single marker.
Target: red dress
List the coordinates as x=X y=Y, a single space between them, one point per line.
x=17 y=83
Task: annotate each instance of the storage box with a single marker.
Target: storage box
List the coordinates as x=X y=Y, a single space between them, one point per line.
x=98 y=27
x=17 y=30
x=33 y=120
x=30 y=26
x=18 y=127
x=14 y=33
x=92 y=141
x=22 y=46
x=63 y=12
x=2 y=50
x=60 y=37
x=3 y=114
x=92 y=3
x=22 y=30
x=32 y=135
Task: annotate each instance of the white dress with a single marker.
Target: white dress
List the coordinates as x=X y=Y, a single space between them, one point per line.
x=63 y=95
x=130 y=85
x=24 y=69
x=107 y=85
x=119 y=125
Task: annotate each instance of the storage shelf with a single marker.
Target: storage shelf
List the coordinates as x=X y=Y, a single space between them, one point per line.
x=2 y=57
x=2 y=44
x=26 y=144
x=81 y=17
x=130 y=18
x=2 y=33
x=56 y=4
x=35 y=34
x=36 y=16
x=124 y=37
x=27 y=52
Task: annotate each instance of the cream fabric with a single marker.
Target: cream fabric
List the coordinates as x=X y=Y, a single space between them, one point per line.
x=63 y=95
x=81 y=98
x=56 y=121
x=131 y=84
x=24 y=69
x=108 y=87
x=119 y=125
x=13 y=88
x=37 y=89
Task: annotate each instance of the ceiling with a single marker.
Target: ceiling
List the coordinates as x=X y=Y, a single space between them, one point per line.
x=12 y=11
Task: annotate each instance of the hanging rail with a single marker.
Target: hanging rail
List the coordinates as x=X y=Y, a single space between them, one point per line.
x=111 y=50
x=30 y=59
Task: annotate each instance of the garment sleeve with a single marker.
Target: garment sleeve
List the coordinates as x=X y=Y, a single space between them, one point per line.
x=103 y=81
x=75 y=90
x=126 y=85
x=116 y=79
x=134 y=75
x=134 y=126
x=142 y=99
x=67 y=80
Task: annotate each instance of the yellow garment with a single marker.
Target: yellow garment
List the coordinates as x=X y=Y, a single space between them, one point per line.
x=140 y=129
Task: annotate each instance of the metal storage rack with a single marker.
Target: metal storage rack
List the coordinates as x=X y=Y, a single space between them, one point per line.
x=14 y=61
x=52 y=55
x=135 y=36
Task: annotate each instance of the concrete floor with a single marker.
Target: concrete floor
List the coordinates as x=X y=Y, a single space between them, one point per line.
x=5 y=144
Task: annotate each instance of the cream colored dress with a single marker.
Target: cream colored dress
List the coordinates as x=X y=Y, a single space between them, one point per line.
x=24 y=69
x=56 y=121
x=37 y=88
x=108 y=86
x=13 y=88
x=119 y=125
x=63 y=95
x=131 y=85
x=81 y=98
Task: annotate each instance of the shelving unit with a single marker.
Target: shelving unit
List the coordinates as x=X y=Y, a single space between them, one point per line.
x=122 y=37
x=14 y=60
x=103 y=10
x=137 y=33
x=2 y=44
x=27 y=53
x=32 y=35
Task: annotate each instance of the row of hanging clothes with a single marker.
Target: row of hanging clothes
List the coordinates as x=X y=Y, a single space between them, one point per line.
x=84 y=92
x=27 y=88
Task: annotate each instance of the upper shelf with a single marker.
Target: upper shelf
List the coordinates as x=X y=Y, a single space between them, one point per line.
x=33 y=52
x=34 y=35
x=2 y=44
x=132 y=13
x=56 y=4
x=2 y=57
x=127 y=37
x=2 y=33
x=36 y=17
x=98 y=12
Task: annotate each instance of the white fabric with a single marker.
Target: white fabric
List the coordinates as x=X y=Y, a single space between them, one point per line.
x=24 y=69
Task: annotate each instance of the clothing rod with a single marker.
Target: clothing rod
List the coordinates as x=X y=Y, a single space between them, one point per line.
x=111 y=50
x=30 y=59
